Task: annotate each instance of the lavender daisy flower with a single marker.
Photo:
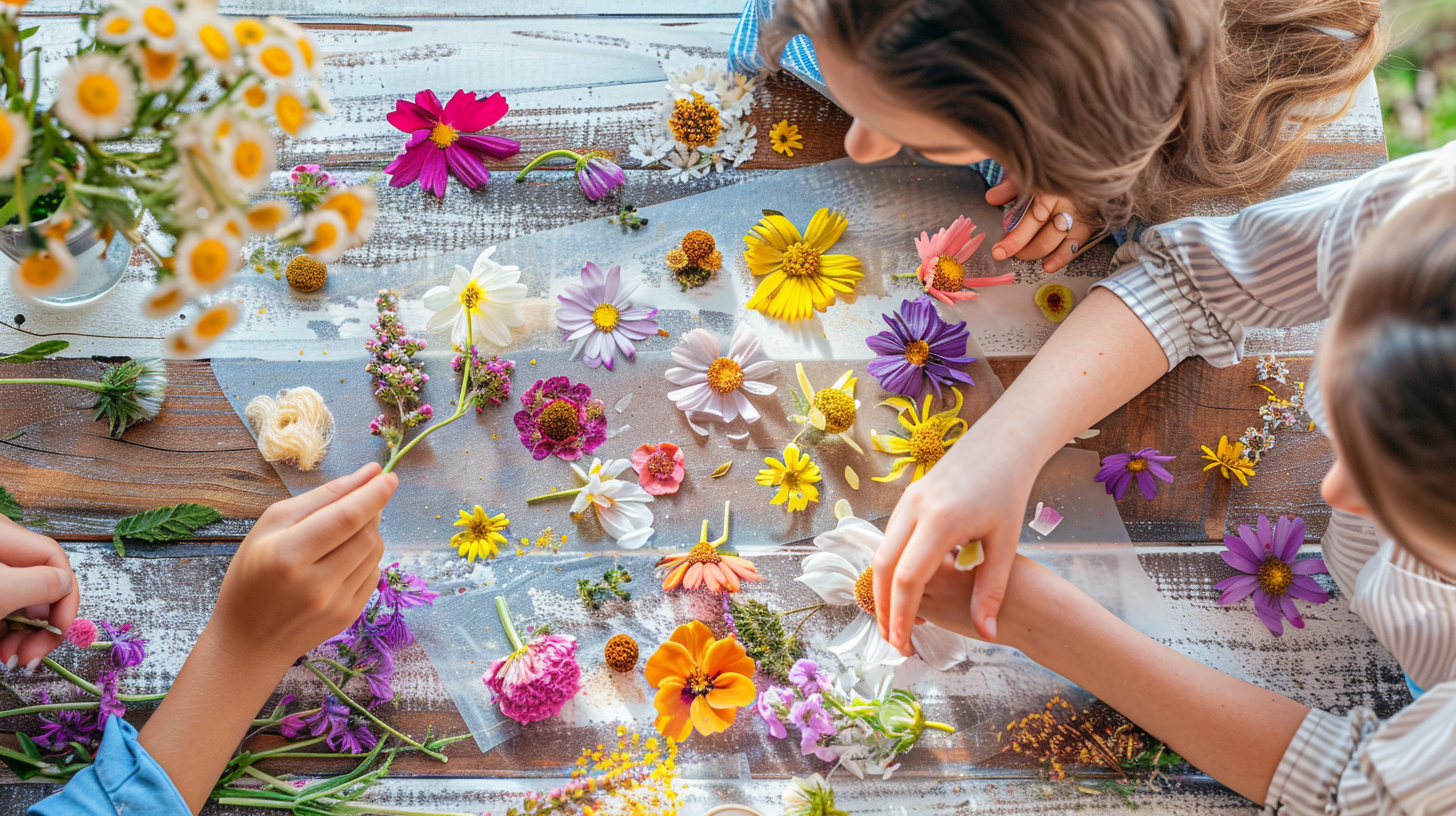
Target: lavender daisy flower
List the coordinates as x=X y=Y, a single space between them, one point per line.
x=1119 y=469
x=596 y=172
x=919 y=350
x=1265 y=556
x=127 y=648
x=332 y=720
x=807 y=675
x=598 y=316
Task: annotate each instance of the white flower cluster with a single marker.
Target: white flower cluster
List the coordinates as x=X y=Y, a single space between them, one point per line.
x=731 y=94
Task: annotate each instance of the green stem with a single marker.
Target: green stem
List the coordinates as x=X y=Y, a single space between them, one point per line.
x=460 y=404
x=17 y=755
x=338 y=692
x=802 y=609
x=510 y=626
x=92 y=688
x=271 y=781
x=89 y=385
x=904 y=275
x=547 y=156
x=38 y=709
x=239 y=801
x=290 y=748
x=806 y=619
x=558 y=494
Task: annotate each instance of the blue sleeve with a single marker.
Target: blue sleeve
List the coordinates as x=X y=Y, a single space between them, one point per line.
x=124 y=779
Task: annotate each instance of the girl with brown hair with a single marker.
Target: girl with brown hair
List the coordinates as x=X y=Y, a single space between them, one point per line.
x=1099 y=111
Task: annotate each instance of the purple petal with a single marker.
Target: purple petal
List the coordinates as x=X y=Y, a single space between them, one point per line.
x=431 y=103
x=467 y=167
x=1147 y=485
x=405 y=169
x=1265 y=532
x=1157 y=469
x=884 y=343
x=1286 y=604
x=409 y=117
x=1267 y=609
x=1239 y=561
x=1236 y=588
x=491 y=147
x=1310 y=566
x=1308 y=589
x=433 y=172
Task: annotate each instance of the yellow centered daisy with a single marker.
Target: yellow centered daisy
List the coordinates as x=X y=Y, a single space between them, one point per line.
x=482 y=535
x=209 y=260
x=444 y=135
x=255 y=96
x=794 y=477
x=864 y=591
x=213 y=323
x=159 y=22
x=249 y=32
x=290 y=113
x=928 y=436
x=170 y=301
x=798 y=276
x=98 y=95
x=276 y=61
x=801 y=261
x=1275 y=576
x=838 y=409
x=40 y=270
x=159 y=65
x=1136 y=465
x=927 y=444
x=326 y=235
x=725 y=375
x=559 y=421
x=305 y=50
x=214 y=42
x=704 y=553
x=917 y=352
x=1230 y=461
x=117 y=26
x=7 y=136
x=784 y=138
x=248 y=159
x=949 y=275
x=605 y=317
x=695 y=122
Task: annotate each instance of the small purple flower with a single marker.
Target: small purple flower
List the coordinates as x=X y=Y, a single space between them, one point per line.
x=807 y=675
x=400 y=590
x=111 y=705
x=768 y=705
x=599 y=175
x=1265 y=556
x=919 y=350
x=60 y=728
x=1119 y=469
x=728 y=615
x=599 y=318
x=127 y=649
x=813 y=723
x=333 y=721
x=561 y=418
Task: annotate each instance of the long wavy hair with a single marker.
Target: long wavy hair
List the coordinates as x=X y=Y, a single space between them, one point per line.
x=1127 y=107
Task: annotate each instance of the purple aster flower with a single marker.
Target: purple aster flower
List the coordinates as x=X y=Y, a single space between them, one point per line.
x=770 y=702
x=1265 y=556
x=333 y=721
x=439 y=145
x=1119 y=469
x=807 y=675
x=596 y=172
x=919 y=350
x=127 y=648
x=561 y=418
x=110 y=704
x=598 y=316
x=378 y=671
x=400 y=590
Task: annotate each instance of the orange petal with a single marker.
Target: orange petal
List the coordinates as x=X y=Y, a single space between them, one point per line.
x=713 y=577
x=666 y=560
x=671 y=661
x=708 y=720
x=674 y=577
x=674 y=718
x=695 y=577
x=731 y=690
x=739 y=565
x=727 y=655
x=728 y=577
x=696 y=637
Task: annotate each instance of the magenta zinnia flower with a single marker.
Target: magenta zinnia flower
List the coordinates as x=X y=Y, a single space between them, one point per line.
x=561 y=418
x=1119 y=469
x=536 y=679
x=445 y=141
x=1266 y=557
x=942 y=270
x=660 y=468
x=919 y=350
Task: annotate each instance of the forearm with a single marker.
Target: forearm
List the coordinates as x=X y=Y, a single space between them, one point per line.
x=207 y=712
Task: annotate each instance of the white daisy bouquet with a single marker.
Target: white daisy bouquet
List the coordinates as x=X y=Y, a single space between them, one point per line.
x=166 y=109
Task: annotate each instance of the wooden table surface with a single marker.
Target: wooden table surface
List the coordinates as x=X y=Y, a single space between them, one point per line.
x=585 y=73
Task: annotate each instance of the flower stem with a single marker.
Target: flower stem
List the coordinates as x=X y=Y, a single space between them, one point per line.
x=338 y=692
x=92 y=688
x=939 y=726
x=38 y=709
x=269 y=780
x=89 y=385
x=460 y=405
x=547 y=156
x=289 y=748
x=558 y=494
x=904 y=275
x=510 y=626
x=816 y=606
x=806 y=619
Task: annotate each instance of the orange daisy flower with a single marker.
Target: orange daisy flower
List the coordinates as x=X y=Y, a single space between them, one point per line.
x=701 y=681
x=704 y=565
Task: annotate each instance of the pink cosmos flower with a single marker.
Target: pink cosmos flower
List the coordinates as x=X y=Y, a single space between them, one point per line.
x=942 y=270
x=446 y=141
x=660 y=468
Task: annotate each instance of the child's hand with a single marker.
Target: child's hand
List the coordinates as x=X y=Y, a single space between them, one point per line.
x=307 y=568
x=1040 y=231
x=35 y=580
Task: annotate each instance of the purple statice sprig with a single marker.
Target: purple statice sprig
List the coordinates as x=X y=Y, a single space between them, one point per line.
x=398 y=378
x=490 y=379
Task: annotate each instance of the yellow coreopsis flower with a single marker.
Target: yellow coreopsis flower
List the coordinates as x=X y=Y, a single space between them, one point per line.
x=930 y=436
x=1230 y=461
x=794 y=477
x=784 y=138
x=833 y=409
x=482 y=535
x=798 y=277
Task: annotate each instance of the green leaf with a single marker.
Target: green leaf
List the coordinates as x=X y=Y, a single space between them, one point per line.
x=28 y=746
x=772 y=212
x=9 y=506
x=22 y=770
x=39 y=351
x=163 y=524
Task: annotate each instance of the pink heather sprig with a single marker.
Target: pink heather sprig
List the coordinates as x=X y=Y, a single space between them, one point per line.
x=536 y=679
x=310 y=184
x=490 y=379
x=398 y=377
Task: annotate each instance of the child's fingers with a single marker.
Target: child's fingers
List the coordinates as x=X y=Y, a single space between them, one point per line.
x=897 y=535
x=991 y=579
x=34 y=646
x=9 y=646
x=1036 y=217
x=1003 y=193
x=927 y=546
x=364 y=545
x=22 y=547
x=24 y=586
x=296 y=509
x=1072 y=245
x=325 y=529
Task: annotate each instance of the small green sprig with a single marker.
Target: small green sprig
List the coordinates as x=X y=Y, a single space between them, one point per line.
x=595 y=594
x=627 y=217
x=761 y=631
x=164 y=524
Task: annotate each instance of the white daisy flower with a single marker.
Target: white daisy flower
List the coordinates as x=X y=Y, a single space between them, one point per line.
x=842 y=575
x=155 y=24
x=303 y=44
x=487 y=296
x=255 y=97
x=159 y=70
x=190 y=341
x=719 y=384
x=205 y=260
x=620 y=505
x=166 y=299
x=292 y=111
x=248 y=155
x=277 y=59
x=45 y=271
x=359 y=207
x=96 y=96
x=249 y=31
x=267 y=216
x=324 y=234
x=210 y=41
x=14 y=143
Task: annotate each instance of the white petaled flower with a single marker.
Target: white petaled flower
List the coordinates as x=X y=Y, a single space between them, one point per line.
x=303 y=44
x=809 y=796
x=620 y=505
x=248 y=155
x=291 y=110
x=96 y=96
x=205 y=260
x=190 y=341
x=487 y=297
x=701 y=124
x=209 y=41
x=717 y=383
x=255 y=97
x=159 y=70
x=599 y=317
x=324 y=234
x=156 y=24
x=166 y=299
x=359 y=207
x=45 y=271
x=275 y=58
x=14 y=143
x=249 y=31
x=842 y=575
x=267 y=216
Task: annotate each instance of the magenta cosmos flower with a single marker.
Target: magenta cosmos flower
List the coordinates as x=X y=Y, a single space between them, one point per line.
x=445 y=141
x=560 y=418
x=1119 y=470
x=660 y=468
x=1265 y=556
x=942 y=270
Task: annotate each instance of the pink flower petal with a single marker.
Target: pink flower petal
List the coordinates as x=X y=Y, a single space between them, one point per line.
x=405 y=169
x=467 y=167
x=469 y=114
x=409 y=117
x=426 y=99
x=433 y=173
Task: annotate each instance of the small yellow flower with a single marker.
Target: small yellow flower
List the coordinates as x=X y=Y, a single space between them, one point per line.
x=1055 y=301
x=795 y=478
x=833 y=409
x=482 y=536
x=1229 y=460
x=784 y=138
x=798 y=278
x=930 y=436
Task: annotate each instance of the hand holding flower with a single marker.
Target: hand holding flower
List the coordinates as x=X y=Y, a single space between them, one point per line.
x=36 y=581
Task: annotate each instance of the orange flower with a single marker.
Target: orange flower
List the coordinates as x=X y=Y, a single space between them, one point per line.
x=701 y=681
x=703 y=564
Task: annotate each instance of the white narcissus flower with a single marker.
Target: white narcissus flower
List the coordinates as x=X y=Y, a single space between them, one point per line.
x=484 y=298
x=719 y=384
x=621 y=506
x=841 y=574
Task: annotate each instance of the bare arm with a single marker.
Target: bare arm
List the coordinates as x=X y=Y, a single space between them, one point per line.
x=1098 y=359
x=1234 y=731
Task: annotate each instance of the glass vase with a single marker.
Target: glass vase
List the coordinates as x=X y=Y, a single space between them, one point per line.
x=100 y=265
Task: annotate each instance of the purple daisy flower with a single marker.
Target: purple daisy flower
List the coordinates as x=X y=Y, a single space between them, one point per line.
x=1119 y=469
x=560 y=418
x=1265 y=555
x=440 y=144
x=599 y=175
x=919 y=350
x=598 y=316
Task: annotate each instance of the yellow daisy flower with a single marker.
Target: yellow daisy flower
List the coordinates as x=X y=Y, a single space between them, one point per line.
x=930 y=436
x=482 y=535
x=795 y=478
x=784 y=138
x=833 y=409
x=1230 y=460
x=800 y=277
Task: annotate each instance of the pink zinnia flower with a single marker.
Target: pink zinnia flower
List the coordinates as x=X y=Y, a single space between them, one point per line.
x=81 y=633
x=1266 y=557
x=561 y=418
x=441 y=143
x=659 y=468
x=536 y=679
x=942 y=270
